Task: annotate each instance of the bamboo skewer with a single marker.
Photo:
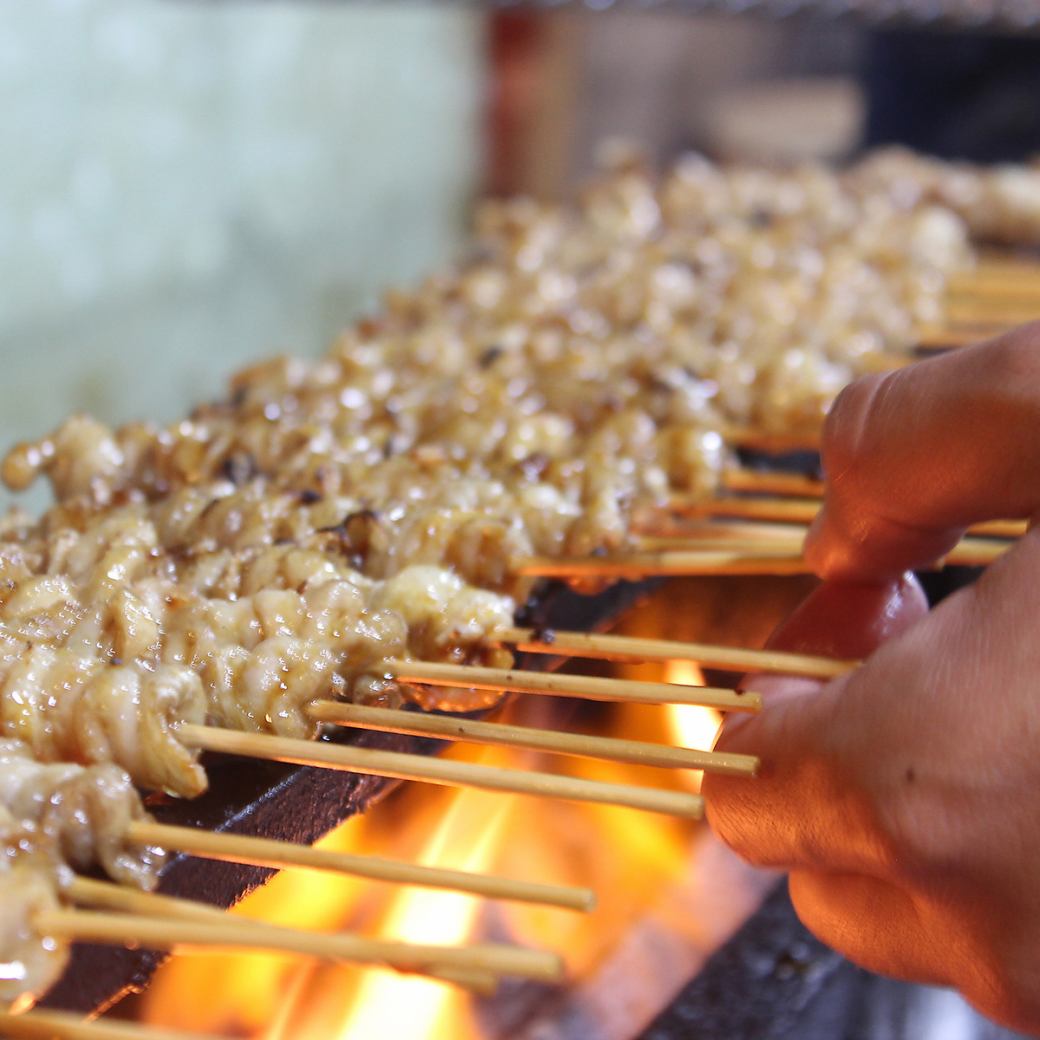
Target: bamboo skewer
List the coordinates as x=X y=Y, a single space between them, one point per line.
x=400 y=766
x=780 y=544
x=800 y=486
x=947 y=338
x=975 y=552
x=771 y=482
x=758 y=557
x=970 y=287
x=774 y=441
x=801 y=511
x=584 y=745
x=634 y=566
x=782 y=510
x=61 y=1025
x=1000 y=528
x=617 y=648
x=1001 y=269
x=266 y=852
x=435 y=673
x=967 y=552
x=1001 y=291
x=168 y=933
x=718 y=532
x=107 y=895
x=1007 y=310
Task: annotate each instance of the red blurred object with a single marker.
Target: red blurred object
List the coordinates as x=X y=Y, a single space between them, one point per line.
x=514 y=40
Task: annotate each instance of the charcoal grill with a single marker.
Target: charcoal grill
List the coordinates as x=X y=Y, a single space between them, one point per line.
x=771 y=980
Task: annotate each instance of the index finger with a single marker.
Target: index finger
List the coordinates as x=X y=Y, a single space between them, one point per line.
x=915 y=456
x=792 y=815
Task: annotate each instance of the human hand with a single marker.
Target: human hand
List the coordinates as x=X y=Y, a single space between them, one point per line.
x=904 y=798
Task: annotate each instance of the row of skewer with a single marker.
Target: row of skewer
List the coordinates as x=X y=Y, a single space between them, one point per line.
x=731 y=534
x=121 y=915
x=985 y=301
x=761 y=533
x=736 y=534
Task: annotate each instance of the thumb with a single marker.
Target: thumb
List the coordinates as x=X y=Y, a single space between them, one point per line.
x=766 y=820
x=840 y=620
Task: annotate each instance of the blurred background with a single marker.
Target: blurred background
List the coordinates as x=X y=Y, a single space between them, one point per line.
x=188 y=186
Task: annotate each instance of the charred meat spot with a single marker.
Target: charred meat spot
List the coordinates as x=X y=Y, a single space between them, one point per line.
x=208 y=507
x=534 y=465
x=761 y=217
x=659 y=385
x=239 y=467
x=360 y=533
x=490 y=356
x=391 y=446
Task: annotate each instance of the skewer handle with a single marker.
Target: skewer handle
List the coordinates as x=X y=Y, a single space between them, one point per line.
x=618 y=648
x=436 y=673
x=239 y=848
x=166 y=933
x=109 y=896
x=60 y=1025
x=400 y=766
x=609 y=748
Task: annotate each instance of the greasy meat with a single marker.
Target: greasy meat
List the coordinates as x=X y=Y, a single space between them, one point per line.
x=279 y=545
x=29 y=962
x=78 y=814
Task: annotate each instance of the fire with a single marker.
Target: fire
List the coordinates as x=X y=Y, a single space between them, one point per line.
x=253 y=986
x=690 y=725
x=393 y=1005
x=648 y=871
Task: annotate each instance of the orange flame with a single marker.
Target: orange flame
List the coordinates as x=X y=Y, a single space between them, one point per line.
x=393 y=1005
x=689 y=724
x=253 y=986
x=644 y=868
